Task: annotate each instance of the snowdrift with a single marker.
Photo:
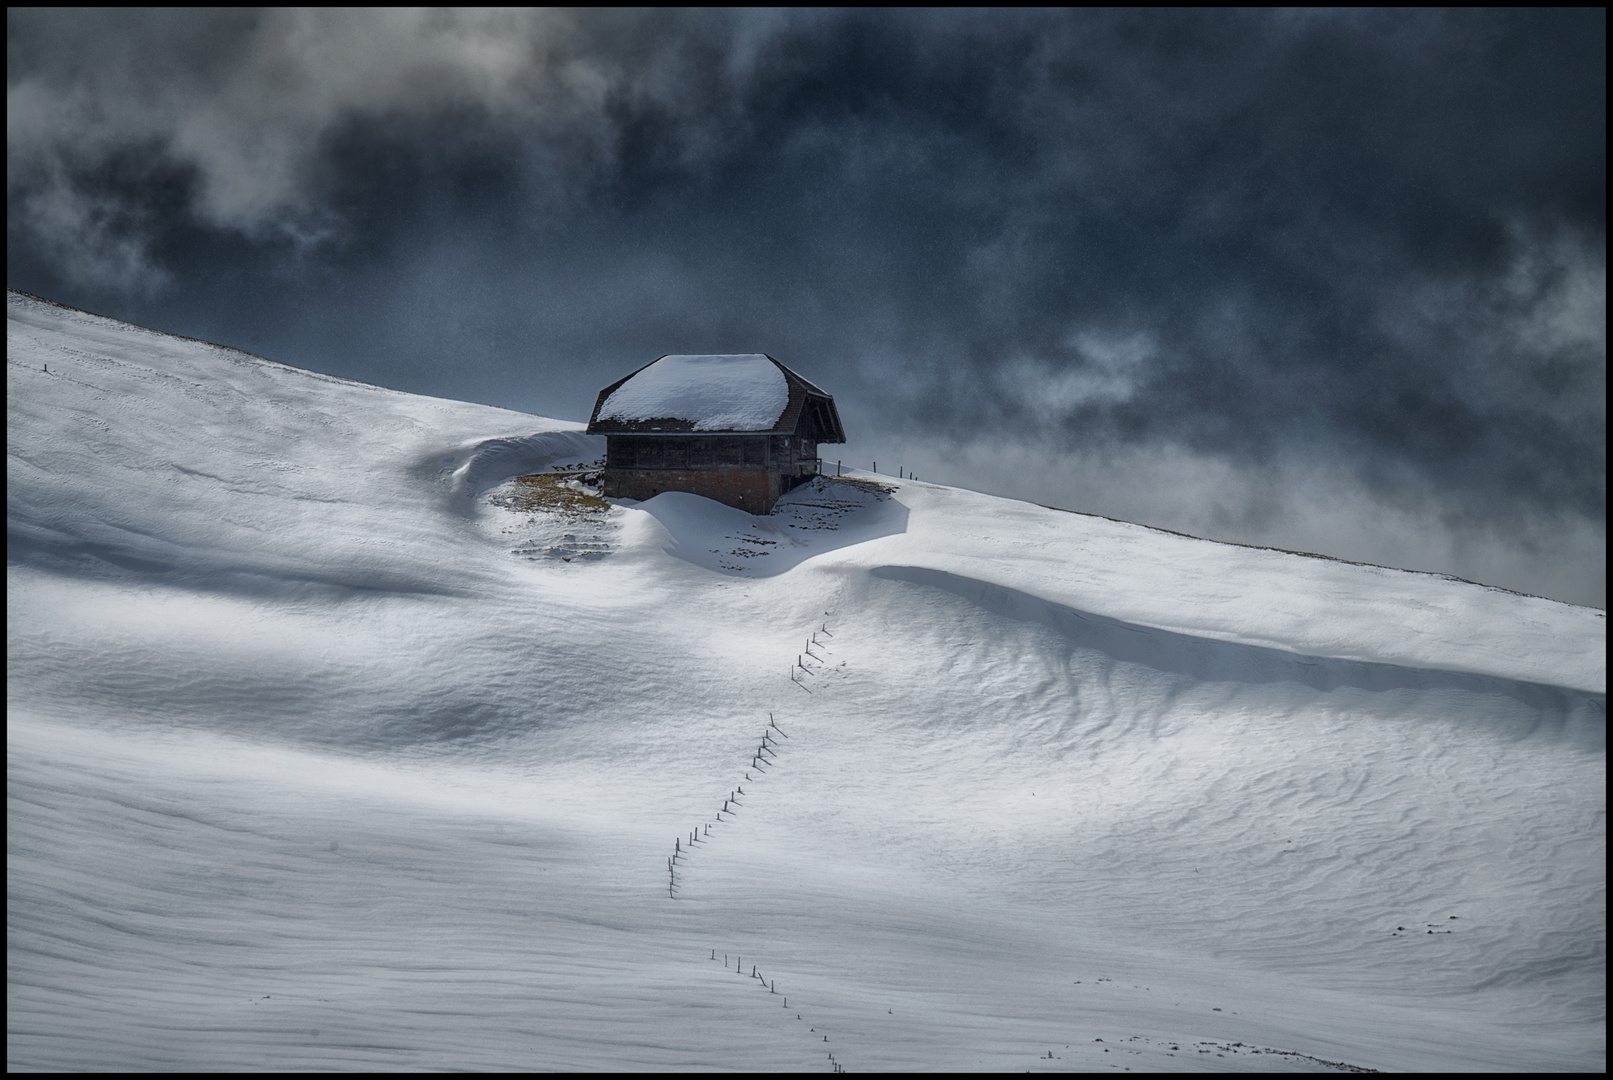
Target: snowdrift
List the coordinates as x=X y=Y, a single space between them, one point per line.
x=331 y=743
x=490 y=462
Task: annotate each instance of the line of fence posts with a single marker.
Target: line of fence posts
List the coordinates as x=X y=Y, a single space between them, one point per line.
x=813 y=640
x=901 y=470
x=758 y=762
x=770 y=985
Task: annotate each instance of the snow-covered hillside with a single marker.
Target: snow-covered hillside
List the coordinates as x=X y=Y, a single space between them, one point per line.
x=331 y=744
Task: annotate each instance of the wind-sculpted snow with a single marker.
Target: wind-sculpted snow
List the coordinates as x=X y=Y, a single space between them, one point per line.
x=493 y=461
x=331 y=745
x=814 y=519
x=1189 y=659
x=134 y=455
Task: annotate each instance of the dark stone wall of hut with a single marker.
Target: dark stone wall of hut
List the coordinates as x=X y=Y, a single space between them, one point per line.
x=745 y=471
x=755 y=490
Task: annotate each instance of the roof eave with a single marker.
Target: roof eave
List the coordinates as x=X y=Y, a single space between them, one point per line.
x=669 y=427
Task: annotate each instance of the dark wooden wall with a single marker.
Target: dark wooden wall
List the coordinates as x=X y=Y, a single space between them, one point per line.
x=785 y=454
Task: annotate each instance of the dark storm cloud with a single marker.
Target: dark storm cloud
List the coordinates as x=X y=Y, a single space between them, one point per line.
x=1370 y=245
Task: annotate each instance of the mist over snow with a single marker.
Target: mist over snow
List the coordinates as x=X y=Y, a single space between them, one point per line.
x=350 y=728
x=1331 y=281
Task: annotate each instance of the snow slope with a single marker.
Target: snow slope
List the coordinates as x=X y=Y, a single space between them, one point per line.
x=329 y=745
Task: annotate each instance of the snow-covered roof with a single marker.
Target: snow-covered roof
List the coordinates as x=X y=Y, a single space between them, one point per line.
x=719 y=392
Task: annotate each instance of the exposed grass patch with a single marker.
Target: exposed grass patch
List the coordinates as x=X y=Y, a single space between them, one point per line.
x=859 y=482
x=553 y=493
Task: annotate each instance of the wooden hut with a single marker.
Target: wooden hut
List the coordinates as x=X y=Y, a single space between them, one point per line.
x=739 y=428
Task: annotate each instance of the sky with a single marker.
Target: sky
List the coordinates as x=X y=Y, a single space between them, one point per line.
x=1332 y=282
